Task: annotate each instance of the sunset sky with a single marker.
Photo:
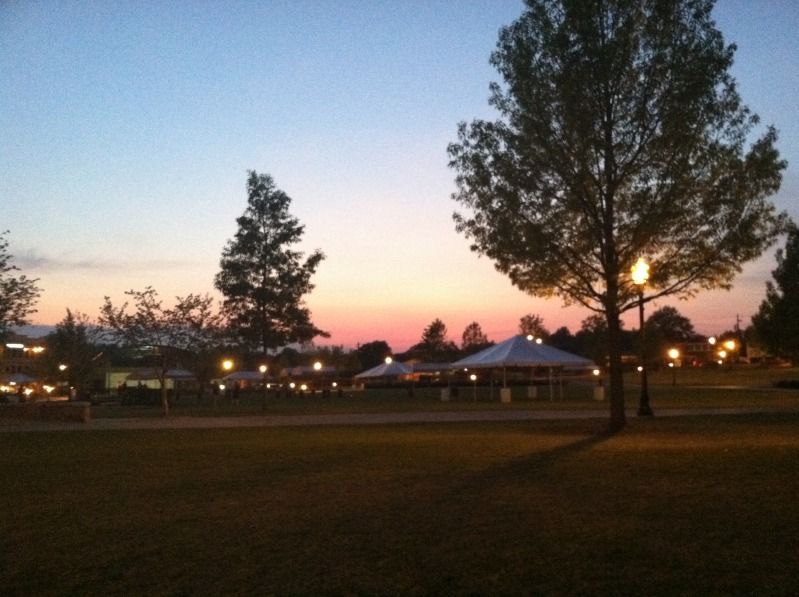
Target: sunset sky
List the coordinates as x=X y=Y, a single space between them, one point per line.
x=127 y=129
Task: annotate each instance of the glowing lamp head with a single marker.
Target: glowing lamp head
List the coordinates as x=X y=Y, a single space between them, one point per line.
x=292 y=385
x=262 y=368
x=729 y=344
x=389 y=360
x=723 y=354
x=530 y=337
x=227 y=364
x=334 y=384
x=62 y=367
x=640 y=272
x=473 y=377
x=303 y=387
x=674 y=354
x=596 y=372
x=317 y=366
x=539 y=340
x=640 y=369
x=712 y=340
x=221 y=387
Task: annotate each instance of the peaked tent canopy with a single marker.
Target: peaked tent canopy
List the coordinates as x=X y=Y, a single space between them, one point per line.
x=392 y=369
x=244 y=376
x=519 y=351
x=176 y=374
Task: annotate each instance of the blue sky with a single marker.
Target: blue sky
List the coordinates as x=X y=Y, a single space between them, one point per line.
x=127 y=128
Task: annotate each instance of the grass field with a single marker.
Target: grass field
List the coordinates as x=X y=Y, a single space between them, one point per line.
x=703 y=505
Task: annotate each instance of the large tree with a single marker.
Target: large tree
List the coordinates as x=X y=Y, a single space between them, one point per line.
x=173 y=336
x=776 y=323
x=621 y=135
x=261 y=277
x=18 y=293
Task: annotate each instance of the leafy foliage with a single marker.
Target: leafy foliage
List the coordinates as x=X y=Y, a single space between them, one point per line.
x=261 y=277
x=18 y=293
x=74 y=343
x=621 y=134
x=777 y=321
x=665 y=328
x=533 y=325
x=372 y=353
x=189 y=330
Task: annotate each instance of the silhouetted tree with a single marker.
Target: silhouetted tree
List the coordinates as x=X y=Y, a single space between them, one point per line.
x=621 y=135
x=665 y=328
x=533 y=325
x=776 y=322
x=371 y=354
x=74 y=343
x=170 y=333
x=18 y=293
x=261 y=277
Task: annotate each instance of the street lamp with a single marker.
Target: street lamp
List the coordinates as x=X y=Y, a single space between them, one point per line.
x=227 y=364
x=640 y=274
x=674 y=354
x=263 y=369
x=473 y=377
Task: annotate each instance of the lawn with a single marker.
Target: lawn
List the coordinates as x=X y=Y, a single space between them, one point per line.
x=701 y=505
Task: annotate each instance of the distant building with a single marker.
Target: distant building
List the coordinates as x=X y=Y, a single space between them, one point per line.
x=20 y=354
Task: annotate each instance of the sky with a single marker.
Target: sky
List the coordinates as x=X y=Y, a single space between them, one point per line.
x=127 y=130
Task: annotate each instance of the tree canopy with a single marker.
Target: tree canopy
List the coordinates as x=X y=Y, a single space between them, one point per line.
x=533 y=325
x=776 y=322
x=74 y=343
x=172 y=334
x=18 y=293
x=262 y=278
x=473 y=337
x=621 y=134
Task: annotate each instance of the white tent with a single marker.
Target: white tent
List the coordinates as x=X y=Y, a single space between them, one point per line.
x=244 y=376
x=175 y=374
x=520 y=351
x=392 y=369
x=524 y=352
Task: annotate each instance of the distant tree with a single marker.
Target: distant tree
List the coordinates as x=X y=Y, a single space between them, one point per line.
x=473 y=336
x=664 y=328
x=434 y=345
x=262 y=278
x=563 y=339
x=592 y=338
x=18 y=293
x=74 y=343
x=533 y=325
x=621 y=135
x=172 y=334
x=371 y=354
x=776 y=322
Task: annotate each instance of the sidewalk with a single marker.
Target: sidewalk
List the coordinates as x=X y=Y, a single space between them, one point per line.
x=359 y=419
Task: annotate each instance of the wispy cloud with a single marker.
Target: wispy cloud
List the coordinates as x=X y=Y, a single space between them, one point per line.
x=34 y=262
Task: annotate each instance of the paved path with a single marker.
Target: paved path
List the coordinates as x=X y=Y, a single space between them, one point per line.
x=358 y=419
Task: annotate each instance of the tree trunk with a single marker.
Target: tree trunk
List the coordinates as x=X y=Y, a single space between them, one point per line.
x=617 y=414
x=164 y=398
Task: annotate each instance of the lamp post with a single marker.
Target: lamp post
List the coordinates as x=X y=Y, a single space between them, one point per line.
x=640 y=275
x=263 y=369
x=674 y=354
x=473 y=377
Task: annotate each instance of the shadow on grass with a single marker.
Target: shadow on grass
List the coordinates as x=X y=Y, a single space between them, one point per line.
x=531 y=468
